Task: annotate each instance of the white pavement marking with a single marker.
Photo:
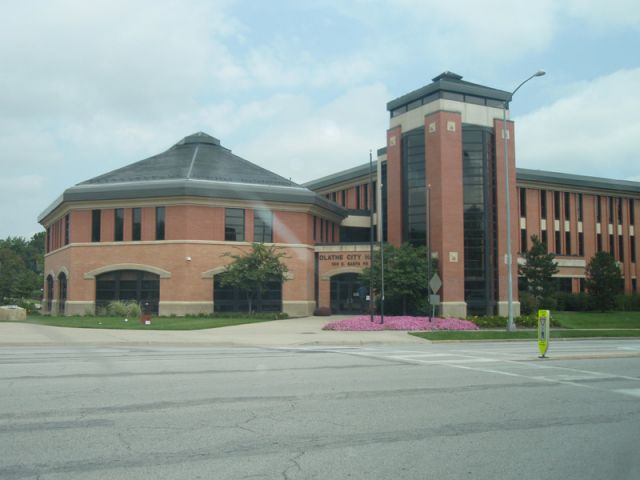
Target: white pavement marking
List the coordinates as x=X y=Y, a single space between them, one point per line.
x=630 y=391
x=462 y=359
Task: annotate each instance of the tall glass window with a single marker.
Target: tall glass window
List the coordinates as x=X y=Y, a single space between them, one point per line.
x=581 y=244
x=580 y=205
x=66 y=229
x=612 y=246
x=366 y=196
x=567 y=205
x=543 y=203
x=619 y=201
x=160 y=223
x=478 y=172
x=414 y=191
x=523 y=240
x=632 y=211
x=95 y=225
x=118 y=232
x=136 y=223
x=263 y=226
x=611 y=200
x=523 y=202
x=234 y=224
x=556 y=205
x=598 y=208
x=357 y=197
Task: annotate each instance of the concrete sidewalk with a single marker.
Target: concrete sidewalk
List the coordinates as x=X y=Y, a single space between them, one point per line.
x=294 y=331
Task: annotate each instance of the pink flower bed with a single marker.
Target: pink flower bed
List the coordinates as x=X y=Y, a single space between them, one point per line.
x=363 y=323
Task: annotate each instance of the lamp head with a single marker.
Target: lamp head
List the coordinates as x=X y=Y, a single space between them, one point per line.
x=540 y=73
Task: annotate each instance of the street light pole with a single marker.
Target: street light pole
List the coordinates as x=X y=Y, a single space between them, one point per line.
x=510 y=325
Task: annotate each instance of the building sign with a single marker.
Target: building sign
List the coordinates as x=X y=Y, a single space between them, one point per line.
x=350 y=259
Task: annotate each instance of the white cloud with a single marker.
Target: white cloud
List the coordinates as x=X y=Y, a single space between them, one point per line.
x=492 y=30
x=323 y=140
x=70 y=59
x=604 y=15
x=594 y=131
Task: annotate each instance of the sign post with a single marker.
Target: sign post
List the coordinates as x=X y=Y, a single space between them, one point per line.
x=543 y=331
x=434 y=284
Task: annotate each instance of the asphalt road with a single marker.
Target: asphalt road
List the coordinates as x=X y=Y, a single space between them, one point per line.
x=453 y=411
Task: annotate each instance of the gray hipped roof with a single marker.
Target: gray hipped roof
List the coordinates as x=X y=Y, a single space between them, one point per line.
x=195 y=166
x=196 y=157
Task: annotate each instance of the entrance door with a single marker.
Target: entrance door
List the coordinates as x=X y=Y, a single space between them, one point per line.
x=344 y=294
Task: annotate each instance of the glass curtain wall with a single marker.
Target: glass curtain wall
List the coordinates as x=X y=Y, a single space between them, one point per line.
x=414 y=188
x=478 y=168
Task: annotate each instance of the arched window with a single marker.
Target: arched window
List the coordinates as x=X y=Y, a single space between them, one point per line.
x=127 y=285
x=62 y=293
x=233 y=299
x=49 y=293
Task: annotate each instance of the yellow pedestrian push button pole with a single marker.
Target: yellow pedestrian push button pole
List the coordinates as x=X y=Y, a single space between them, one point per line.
x=543 y=331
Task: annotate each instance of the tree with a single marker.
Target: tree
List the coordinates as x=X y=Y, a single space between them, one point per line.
x=538 y=270
x=16 y=281
x=21 y=266
x=252 y=271
x=405 y=276
x=604 y=281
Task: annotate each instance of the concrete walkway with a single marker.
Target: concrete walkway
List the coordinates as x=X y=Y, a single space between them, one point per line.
x=294 y=331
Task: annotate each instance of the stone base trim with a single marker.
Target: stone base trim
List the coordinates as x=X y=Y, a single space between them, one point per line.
x=79 y=308
x=453 y=309
x=503 y=309
x=181 y=309
x=299 y=308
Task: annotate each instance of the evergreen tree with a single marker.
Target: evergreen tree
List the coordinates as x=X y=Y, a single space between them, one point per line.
x=604 y=281
x=538 y=271
x=251 y=272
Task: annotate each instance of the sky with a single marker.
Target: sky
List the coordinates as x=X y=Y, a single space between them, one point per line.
x=298 y=86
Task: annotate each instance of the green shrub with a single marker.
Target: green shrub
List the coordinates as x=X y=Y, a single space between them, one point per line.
x=523 y=321
x=628 y=302
x=29 y=305
x=119 y=308
x=528 y=303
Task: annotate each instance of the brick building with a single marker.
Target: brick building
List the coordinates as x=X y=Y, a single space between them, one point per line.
x=156 y=231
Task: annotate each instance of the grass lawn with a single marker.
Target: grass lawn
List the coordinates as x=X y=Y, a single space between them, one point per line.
x=576 y=320
x=573 y=325
x=157 y=323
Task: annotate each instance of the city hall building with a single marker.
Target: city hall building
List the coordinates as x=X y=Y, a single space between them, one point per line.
x=158 y=231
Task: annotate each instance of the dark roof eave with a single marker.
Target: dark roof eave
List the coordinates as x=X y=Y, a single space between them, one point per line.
x=578 y=181
x=343 y=176
x=197 y=188
x=450 y=86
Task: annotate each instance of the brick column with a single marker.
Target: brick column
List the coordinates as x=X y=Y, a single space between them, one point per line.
x=443 y=151
x=394 y=213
